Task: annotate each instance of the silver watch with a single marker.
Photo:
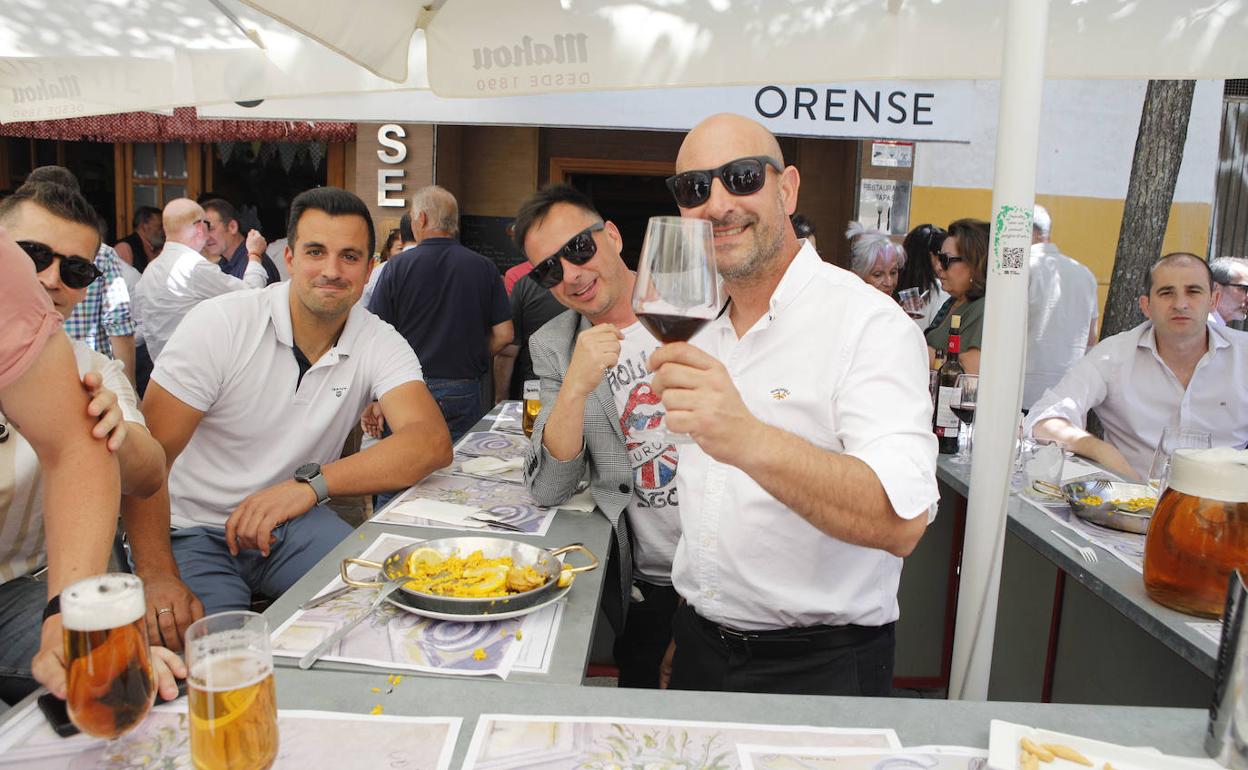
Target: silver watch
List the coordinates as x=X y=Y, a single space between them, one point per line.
x=310 y=474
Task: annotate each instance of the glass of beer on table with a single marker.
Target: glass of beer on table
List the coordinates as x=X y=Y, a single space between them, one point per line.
x=532 y=405
x=111 y=685
x=233 y=705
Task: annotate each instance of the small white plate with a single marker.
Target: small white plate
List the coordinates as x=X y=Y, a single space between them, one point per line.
x=483 y=618
x=1003 y=751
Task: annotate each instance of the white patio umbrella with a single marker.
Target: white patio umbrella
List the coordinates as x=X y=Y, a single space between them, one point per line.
x=73 y=58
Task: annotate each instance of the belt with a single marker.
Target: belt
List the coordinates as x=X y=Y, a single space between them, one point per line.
x=788 y=641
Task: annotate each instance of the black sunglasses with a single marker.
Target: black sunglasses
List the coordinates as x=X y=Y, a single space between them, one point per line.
x=947 y=259
x=743 y=176
x=76 y=272
x=1240 y=286
x=579 y=249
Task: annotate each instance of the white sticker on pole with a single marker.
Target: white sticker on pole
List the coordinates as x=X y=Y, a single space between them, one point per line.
x=1011 y=239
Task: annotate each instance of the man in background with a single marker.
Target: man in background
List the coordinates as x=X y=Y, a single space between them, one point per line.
x=1230 y=290
x=1061 y=310
x=141 y=246
x=227 y=245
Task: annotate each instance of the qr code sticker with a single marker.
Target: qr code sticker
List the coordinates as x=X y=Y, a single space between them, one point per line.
x=1012 y=258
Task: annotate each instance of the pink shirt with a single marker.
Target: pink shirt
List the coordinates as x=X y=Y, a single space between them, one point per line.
x=27 y=317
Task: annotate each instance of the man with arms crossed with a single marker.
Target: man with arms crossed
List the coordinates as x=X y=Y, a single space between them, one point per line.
x=1174 y=370
x=813 y=471
x=595 y=392
x=252 y=400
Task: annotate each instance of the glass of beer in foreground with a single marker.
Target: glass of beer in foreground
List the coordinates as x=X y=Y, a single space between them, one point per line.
x=111 y=685
x=233 y=706
x=532 y=405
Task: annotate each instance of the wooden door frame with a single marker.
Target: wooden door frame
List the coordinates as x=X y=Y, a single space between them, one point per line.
x=562 y=168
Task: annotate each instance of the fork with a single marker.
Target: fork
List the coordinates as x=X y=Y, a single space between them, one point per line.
x=1087 y=552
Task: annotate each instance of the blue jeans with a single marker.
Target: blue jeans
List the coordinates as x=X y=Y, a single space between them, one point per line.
x=460 y=404
x=21 y=623
x=224 y=582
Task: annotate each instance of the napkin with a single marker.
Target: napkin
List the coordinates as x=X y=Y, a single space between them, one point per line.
x=443 y=513
x=491 y=466
x=582 y=501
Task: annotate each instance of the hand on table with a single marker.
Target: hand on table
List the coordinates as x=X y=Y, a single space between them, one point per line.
x=171 y=609
x=104 y=406
x=251 y=524
x=597 y=350
x=701 y=400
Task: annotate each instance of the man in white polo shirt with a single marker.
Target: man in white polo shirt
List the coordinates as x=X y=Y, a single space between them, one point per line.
x=813 y=470
x=252 y=399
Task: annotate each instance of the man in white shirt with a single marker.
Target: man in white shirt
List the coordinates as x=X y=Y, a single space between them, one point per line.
x=252 y=400
x=56 y=227
x=814 y=467
x=180 y=278
x=1230 y=291
x=1061 y=311
x=1173 y=370
x=596 y=392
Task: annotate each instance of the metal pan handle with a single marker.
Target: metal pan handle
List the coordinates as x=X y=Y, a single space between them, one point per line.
x=593 y=560
x=342 y=569
x=1049 y=490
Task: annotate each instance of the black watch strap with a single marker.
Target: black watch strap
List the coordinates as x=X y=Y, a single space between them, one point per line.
x=53 y=607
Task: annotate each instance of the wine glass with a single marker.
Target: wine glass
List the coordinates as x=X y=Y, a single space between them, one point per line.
x=963 y=405
x=1172 y=439
x=675 y=295
x=913 y=302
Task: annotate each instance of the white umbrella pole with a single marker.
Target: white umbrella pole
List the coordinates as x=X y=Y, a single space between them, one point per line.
x=1004 y=345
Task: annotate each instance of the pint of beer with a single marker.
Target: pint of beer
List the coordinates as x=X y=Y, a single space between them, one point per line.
x=532 y=405
x=111 y=684
x=233 y=704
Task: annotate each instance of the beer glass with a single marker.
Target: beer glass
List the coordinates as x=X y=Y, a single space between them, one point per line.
x=232 y=702
x=532 y=405
x=111 y=685
x=1159 y=469
x=676 y=293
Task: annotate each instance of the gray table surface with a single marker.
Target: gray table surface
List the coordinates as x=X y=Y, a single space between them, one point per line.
x=1111 y=580
x=917 y=721
x=580 y=612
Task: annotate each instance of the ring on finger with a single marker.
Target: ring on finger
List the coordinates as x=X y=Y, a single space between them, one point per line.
x=163 y=610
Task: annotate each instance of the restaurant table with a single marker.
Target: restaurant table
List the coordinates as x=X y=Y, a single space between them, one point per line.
x=580 y=613
x=1070 y=631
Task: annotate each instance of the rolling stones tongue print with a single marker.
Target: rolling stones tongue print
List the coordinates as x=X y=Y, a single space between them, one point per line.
x=654 y=464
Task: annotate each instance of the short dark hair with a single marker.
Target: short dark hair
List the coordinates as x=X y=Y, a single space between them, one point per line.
x=142 y=214
x=802 y=227
x=55 y=175
x=535 y=209
x=335 y=202
x=224 y=209
x=405 y=228
x=58 y=200
x=1174 y=256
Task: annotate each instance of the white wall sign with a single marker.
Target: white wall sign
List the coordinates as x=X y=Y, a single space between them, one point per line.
x=885 y=205
x=892 y=154
x=885 y=109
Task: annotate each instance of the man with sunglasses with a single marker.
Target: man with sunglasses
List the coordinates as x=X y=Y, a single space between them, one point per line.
x=55 y=226
x=181 y=277
x=813 y=468
x=1230 y=290
x=595 y=391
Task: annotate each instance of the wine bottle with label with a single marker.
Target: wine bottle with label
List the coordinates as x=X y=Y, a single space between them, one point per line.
x=947 y=422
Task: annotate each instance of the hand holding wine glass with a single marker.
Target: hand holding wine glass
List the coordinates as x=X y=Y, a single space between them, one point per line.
x=677 y=288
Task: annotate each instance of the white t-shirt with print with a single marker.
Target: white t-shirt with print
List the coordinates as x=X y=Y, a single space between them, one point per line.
x=654 y=513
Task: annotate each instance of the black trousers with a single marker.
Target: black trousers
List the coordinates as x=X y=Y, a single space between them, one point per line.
x=822 y=660
x=639 y=649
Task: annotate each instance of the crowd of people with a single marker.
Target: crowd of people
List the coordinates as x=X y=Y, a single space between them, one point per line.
x=762 y=555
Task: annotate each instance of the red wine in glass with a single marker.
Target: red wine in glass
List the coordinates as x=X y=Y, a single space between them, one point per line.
x=964 y=412
x=671 y=328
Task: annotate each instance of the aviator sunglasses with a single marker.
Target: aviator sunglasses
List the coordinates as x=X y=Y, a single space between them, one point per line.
x=743 y=176
x=76 y=272
x=579 y=249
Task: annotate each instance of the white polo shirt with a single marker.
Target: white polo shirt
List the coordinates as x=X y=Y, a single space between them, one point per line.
x=838 y=364
x=1136 y=396
x=1061 y=306
x=233 y=359
x=176 y=281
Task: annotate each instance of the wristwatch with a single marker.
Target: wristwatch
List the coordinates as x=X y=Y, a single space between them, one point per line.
x=310 y=474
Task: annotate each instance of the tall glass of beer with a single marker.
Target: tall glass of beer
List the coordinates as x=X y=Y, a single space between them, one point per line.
x=233 y=706
x=111 y=684
x=532 y=405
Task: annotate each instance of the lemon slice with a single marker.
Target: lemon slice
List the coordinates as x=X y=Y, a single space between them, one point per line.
x=486 y=580
x=423 y=557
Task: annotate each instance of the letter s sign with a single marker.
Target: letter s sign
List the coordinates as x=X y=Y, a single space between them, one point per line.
x=389 y=136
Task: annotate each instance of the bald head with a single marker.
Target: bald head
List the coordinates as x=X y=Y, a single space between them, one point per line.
x=441 y=213
x=183 y=222
x=726 y=136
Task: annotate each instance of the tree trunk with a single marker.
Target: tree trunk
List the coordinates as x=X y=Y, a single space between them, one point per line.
x=1154 y=171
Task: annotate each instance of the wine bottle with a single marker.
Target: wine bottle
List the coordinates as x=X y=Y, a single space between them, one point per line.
x=947 y=422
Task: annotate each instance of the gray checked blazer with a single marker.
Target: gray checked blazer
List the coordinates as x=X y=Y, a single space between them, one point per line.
x=604 y=460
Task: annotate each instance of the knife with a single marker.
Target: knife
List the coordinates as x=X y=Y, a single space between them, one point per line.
x=323 y=598
x=307 y=660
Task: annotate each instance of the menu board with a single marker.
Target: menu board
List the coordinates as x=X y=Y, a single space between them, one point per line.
x=489 y=237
